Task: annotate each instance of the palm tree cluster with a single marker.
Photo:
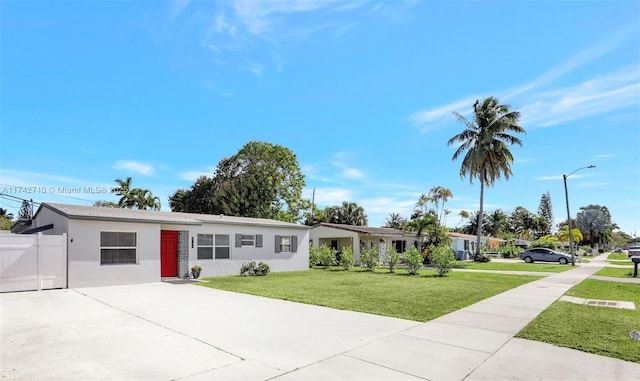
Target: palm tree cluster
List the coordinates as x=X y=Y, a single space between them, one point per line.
x=427 y=219
x=137 y=198
x=349 y=213
x=519 y=223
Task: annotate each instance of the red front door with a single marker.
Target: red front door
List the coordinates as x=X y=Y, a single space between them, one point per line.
x=168 y=253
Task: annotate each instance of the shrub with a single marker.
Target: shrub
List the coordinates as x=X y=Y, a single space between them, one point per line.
x=369 y=259
x=541 y=242
x=327 y=256
x=510 y=250
x=347 y=260
x=443 y=259
x=391 y=258
x=413 y=259
x=314 y=256
x=251 y=269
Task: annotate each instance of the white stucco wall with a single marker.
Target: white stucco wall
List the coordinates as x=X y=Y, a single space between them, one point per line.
x=46 y=217
x=85 y=269
x=276 y=261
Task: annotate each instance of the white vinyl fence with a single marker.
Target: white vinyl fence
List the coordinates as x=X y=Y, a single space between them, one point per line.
x=32 y=262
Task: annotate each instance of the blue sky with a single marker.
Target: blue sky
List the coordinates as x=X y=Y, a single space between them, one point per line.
x=361 y=91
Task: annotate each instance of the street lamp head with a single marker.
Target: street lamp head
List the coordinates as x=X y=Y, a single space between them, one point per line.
x=591 y=166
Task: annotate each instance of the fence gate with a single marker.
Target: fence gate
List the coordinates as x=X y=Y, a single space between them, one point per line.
x=32 y=262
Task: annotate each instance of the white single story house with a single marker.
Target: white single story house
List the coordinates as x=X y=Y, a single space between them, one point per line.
x=110 y=246
x=466 y=243
x=337 y=236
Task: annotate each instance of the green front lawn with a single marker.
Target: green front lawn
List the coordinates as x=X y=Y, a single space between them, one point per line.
x=616 y=272
x=419 y=298
x=518 y=266
x=600 y=330
x=618 y=256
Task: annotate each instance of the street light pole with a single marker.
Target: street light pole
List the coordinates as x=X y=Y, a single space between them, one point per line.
x=566 y=196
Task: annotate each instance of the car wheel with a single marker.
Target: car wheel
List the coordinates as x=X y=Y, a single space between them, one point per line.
x=528 y=259
x=563 y=261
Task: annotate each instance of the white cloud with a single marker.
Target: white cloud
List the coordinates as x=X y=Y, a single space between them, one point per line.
x=387 y=205
x=329 y=196
x=260 y=16
x=559 y=177
x=352 y=173
x=178 y=6
x=195 y=174
x=545 y=106
x=433 y=118
x=134 y=166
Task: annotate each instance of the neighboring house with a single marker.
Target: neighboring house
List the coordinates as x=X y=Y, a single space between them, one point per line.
x=337 y=236
x=466 y=243
x=109 y=246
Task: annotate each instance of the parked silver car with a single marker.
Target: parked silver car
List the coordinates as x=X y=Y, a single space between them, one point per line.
x=544 y=255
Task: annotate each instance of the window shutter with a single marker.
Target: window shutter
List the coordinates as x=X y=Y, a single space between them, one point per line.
x=238 y=240
x=258 y=240
x=277 y=244
x=294 y=243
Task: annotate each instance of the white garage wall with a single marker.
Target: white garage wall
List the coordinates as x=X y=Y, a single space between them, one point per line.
x=85 y=269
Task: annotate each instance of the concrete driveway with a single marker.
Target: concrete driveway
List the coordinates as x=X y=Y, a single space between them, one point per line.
x=164 y=332
x=184 y=332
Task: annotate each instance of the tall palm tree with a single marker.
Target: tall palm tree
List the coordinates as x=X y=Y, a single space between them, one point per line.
x=485 y=145
x=439 y=195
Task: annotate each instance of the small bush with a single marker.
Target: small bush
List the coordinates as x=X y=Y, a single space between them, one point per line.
x=251 y=269
x=443 y=259
x=369 y=259
x=413 y=259
x=327 y=256
x=549 y=244
x=391 y=258
x=347 y=259
x=510 y=250
x=314 y=256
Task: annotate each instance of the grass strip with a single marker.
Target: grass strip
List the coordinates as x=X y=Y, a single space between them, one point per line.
x=419 y=298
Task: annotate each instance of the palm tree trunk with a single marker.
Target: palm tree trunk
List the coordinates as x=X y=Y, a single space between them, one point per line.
x=479 y=231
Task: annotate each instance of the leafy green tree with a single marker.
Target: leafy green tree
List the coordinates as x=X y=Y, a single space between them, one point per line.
x=472 y=226
x=261 y=180
x=563 y=235
x=594 y=220
x=485 y=145
x=124 y=191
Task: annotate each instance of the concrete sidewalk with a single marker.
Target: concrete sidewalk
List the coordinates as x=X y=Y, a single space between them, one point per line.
x=185 y=332
x=477 y=343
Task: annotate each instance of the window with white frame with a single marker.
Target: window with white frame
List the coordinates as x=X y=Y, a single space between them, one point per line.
x=223 y=250
x=118 y=248
x=205 y=246
x=286 y=243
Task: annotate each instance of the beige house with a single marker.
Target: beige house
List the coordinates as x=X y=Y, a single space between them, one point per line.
x=337 y=236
